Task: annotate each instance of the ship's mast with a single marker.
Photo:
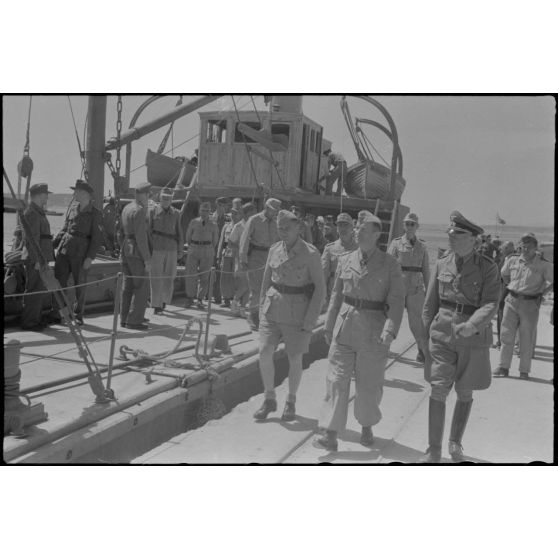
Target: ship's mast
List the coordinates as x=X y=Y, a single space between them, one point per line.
x=95 y=146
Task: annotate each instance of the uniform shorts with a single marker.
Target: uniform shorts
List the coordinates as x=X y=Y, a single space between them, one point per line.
x=272 y=333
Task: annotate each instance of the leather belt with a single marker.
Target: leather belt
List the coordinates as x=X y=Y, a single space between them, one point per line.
x=200 y=242
x=166 y=235
x=363 y=304
x=46 y=237
x=80 y=234
x=262 y=248
x=411 y=268
x=288 y=289
x=458 y=307
x=526 y=297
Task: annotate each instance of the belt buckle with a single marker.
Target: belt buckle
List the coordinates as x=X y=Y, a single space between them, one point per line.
x=459 y=308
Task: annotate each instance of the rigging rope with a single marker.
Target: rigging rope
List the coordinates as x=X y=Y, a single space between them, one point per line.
x=81 y=152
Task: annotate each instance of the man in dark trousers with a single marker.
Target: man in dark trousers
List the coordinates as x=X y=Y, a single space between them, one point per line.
x=136 y=260
x=461 y=300
x=78 y=242
x=219 y=217
x=40 y=232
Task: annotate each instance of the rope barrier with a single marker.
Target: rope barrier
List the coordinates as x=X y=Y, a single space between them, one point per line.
x=111 y=278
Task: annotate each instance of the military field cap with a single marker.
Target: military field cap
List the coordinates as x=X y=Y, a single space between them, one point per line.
x=529 y=237
x=284 y=216
x=363 y=213
x=82 y=185
x=273 y=203
x=458 y=223
x=143 y=188
x=411 y=217
x=371 y=218
x=222 y=201
x=320 y=219
x=344 y=218
x=205 y=205
x=39 y=188
x=166 y=193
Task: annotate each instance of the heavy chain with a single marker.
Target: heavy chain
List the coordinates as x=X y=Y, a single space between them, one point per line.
x=118 y=132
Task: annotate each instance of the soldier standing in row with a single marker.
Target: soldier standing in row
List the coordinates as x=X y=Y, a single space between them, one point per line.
x=527 y=278
x=292 y=294
x=168 y=246
x=225 y=259
x=77 y=244
x=136 y=260
x=219 y=217
x=202 y=237
x=35 y=216
x=461 y=301
x=334 y=250
x=258 y=236
x=362 y=320
x=411 y=253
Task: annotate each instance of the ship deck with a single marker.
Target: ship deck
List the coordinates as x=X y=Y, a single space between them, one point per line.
x=157 y=421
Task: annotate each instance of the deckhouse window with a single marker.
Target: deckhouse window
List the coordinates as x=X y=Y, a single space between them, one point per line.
x=281 y=129
x=239 y=137
x=216 y=131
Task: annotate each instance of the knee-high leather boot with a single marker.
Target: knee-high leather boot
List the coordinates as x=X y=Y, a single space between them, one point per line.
x=436 y=419
x=459 y=422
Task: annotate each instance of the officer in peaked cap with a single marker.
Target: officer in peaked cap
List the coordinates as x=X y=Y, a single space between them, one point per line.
x=412 y=254
x=362 y=320
x=334 y=250
x=202 y=237
x=527 y=278
x=136 y=259
x=77 y=244
x=461 y=300
x=167 y=241
x=292 y=294
x=35 y=216
x=257 y=237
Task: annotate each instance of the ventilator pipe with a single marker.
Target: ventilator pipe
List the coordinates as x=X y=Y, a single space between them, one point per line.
x=76 y=377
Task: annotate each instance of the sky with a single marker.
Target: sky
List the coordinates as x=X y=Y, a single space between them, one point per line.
x=479 y=155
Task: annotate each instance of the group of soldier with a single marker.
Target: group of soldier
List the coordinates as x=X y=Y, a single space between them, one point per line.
x=270 y=269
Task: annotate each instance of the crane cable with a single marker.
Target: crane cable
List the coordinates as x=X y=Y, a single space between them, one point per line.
x=25 y=166
x=81 y=152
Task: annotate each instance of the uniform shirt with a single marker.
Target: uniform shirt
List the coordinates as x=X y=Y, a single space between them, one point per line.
x=260 y=231
x=296 y=267
x=477 y=284
x=527 y=277
x=40 y=232
x=332 y=252
x=134 y=224
x=378 y=279
x=411 y=255
x=81 y=236
x=198 y=231
x=224 y=248
x=234 y=239
x=166 y=221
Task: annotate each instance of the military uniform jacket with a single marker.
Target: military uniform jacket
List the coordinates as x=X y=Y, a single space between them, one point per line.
x=40 y=232
x=82 y=234
x=259 y=230
x=224 y=250
x=295 y=268
x=409 y=255
x=527 y=277
x=134 y=227
x=331 y=254
x=198 y=231
x=165 y=230
x=379 y=279
x=478 y=284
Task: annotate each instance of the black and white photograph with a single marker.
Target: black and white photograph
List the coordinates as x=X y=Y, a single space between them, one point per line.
x=278 y=278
